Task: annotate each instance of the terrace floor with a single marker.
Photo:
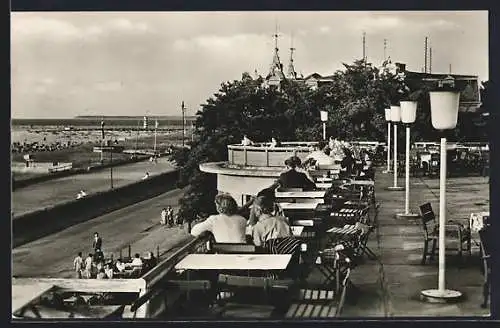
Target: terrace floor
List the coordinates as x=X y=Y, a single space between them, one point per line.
x=391 y=285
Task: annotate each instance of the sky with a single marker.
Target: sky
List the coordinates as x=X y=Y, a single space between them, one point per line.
x=65 y=64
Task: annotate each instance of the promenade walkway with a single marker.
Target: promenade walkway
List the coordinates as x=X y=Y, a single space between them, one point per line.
x=54 y=191
x=390 y=287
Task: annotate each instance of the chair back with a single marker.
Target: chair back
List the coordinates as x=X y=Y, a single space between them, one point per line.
x=229 y=280
x=428 y=218
x=233 y=248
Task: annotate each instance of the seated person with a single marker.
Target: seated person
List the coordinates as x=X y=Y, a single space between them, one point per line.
x=137 y=261
x=108 y=271
x=268 y=226
x=227 y=226
x=348 y=162
x=81 y=194
x=246 y=141
x=120 y=266
x=149 y=260
x=320 y=156
x=101 y=274
x=294 y=179
x=277 y=210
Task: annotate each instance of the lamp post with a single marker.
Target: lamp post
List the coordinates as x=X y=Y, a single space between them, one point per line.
x=183 y=123
x=408 y=116
x=388 y=119
x=444 y=116
x=395 y=118
x=324 y=119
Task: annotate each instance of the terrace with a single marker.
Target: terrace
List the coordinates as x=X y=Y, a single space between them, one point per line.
x=383 y=284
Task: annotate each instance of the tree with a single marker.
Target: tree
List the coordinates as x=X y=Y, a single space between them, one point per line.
x=355 y=101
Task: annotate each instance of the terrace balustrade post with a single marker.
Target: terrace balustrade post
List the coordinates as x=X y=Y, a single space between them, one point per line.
x=388 y=147
x=267 y=157
x=245 y=155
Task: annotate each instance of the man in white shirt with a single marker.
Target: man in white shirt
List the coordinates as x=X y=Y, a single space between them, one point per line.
x=136 y=262
x=78 y=265
x=320 y=156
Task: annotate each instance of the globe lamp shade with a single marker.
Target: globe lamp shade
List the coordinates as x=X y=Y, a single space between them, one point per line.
x=395 y=113
x=444 y=109
x=324 y=115
x=408 y=111
x=387 y=114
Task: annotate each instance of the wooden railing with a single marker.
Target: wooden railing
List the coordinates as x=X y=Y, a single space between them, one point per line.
x=156 y=278
x=264 y=155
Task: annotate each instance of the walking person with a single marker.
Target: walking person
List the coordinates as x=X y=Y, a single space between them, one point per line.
x=97 y=242
x=170 y=216
x=163 y=219
x=87 y=272
x=78 y=265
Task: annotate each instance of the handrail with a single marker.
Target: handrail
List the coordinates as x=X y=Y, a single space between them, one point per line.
x=159 y=272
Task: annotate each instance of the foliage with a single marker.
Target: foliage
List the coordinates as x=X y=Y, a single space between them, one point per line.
x=355 y=102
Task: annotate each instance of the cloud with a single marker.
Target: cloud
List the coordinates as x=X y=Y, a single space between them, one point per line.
x=126 y=25
x=56 y=29
x=108 y=86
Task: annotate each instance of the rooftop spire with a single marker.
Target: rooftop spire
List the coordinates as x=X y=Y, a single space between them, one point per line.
x=291 y=69
x=276 y=70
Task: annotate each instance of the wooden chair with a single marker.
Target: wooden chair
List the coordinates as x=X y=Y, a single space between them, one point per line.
x=233 y=248
x=486 y=257
x=320 y=303
x=245 y=296
x=431 y=233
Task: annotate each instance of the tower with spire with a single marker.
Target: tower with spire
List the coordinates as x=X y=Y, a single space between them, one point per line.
x=276 y=74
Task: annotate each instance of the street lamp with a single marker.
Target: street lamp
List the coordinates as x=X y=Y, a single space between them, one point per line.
x=324 y=119
x=395 y=118
x=444 y=116
x=388 y=119
x=408 y=116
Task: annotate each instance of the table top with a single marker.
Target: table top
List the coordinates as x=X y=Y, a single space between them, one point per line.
x=298 y=206
x=323 y=185
x=301 y=194
x=323 y=179
x=362 y=182
x=297 y=230
x=234 y=262
x=22 y=295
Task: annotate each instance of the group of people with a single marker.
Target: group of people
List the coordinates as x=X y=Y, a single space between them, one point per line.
x=168 y=217
x=95 y=266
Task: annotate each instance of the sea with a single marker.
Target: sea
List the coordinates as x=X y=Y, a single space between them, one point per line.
x=88 y=128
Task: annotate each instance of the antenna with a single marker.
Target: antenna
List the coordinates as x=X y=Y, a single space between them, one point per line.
x=364 y=46
x=385 y=49
x=430 y=60
x=425 y=55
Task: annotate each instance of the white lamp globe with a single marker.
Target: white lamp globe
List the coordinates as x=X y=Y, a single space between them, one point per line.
x=388 y=114
x=408 y=111
x=444 y=109
x=324 y=115
x=395 y=113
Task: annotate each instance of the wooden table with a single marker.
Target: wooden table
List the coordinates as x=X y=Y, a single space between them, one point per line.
x=300 y=194
x=323 y=185
x=234 y=262
x=323 y=179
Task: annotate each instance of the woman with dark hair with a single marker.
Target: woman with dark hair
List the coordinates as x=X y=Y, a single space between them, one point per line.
x=227 y=226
